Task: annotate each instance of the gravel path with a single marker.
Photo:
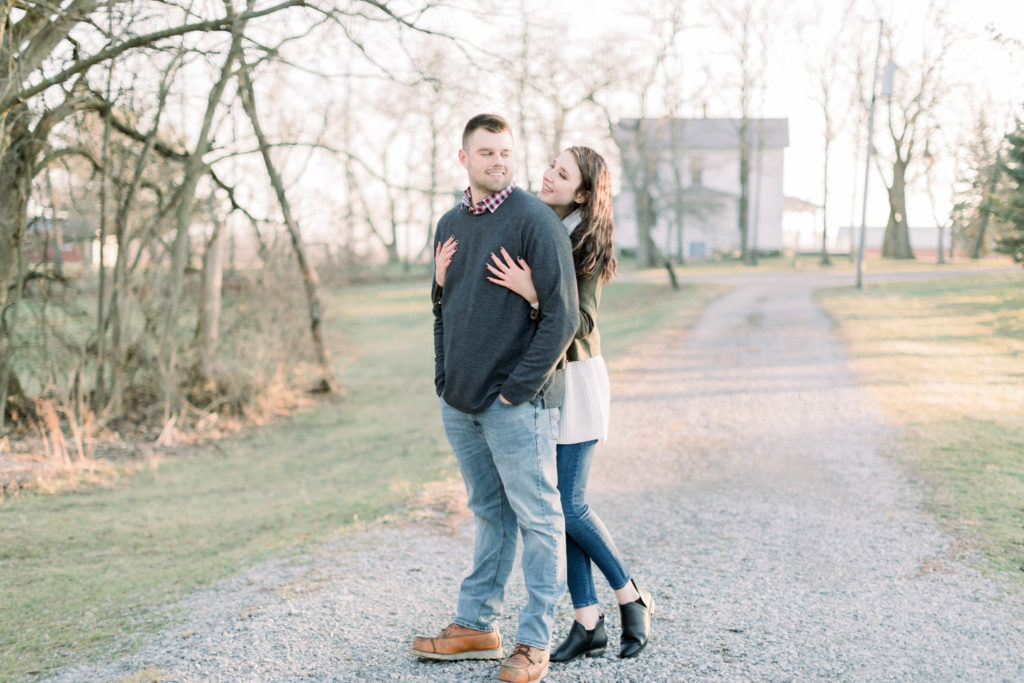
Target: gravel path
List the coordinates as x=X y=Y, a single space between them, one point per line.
x=745 y=483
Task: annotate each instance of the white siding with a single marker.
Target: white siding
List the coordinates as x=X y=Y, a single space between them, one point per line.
x=715 y=229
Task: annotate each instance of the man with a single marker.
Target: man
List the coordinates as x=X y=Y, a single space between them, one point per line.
x=495 y=371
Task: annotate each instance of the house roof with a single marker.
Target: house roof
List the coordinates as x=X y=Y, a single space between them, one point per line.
x=705 y=133
x=797 y=204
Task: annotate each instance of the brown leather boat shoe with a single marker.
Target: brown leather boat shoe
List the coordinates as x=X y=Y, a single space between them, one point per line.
x=459 y=642
x=525 y=665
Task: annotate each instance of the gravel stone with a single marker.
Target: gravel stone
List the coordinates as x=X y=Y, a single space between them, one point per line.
x=746 y=483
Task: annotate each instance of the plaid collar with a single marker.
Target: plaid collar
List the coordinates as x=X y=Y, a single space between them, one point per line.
x=489 y=203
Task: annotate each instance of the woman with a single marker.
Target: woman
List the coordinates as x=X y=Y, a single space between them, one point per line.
x=577 y=186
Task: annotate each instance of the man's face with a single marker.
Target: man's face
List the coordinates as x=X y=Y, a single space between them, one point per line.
x=490 y=160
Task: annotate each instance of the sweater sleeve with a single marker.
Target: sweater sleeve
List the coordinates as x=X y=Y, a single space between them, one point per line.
x=589 y=294
x=549 y=254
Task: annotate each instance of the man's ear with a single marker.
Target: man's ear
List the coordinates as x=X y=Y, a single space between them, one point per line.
x=463 y=159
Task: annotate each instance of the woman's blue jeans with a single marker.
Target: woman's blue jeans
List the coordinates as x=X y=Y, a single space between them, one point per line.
x=586 y=537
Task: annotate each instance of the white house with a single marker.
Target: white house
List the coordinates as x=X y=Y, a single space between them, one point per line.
x=697 y=184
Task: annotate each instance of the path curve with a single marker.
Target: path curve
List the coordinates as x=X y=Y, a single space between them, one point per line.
x=746 y=483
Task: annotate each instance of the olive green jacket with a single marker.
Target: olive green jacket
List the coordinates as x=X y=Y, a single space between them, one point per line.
x=587 y=342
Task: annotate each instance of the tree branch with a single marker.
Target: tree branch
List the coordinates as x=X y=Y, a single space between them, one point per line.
x=10 y=100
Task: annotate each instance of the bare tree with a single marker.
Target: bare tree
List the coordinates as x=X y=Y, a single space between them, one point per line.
x=548 y=100
x=978 y=172
x=911 y=120
x=640 y=139
x=211 y=282
x=122 y=231
x=524 y=66
x=990 y=187
x=309 y=277
x=640 y=143
x=828 y=71
x=195 y=168
x=746 y=24
x=41 y=53
x=432 y=100
x=39 y=35
x=935 y=178
x=47 y=69
x=981 y=167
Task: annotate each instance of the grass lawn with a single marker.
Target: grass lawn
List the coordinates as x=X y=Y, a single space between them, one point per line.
x=87 y=573
x=945 y=359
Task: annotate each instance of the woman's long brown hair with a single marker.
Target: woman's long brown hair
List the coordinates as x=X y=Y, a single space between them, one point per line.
x=592 y=248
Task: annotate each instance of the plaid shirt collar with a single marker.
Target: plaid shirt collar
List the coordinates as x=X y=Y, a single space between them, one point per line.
x=489 y=203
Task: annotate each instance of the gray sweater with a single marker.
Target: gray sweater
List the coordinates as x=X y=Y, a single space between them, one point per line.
x=485 y=342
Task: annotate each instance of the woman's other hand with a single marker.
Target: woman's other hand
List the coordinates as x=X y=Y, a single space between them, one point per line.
x=515 y=275
x=443 y=257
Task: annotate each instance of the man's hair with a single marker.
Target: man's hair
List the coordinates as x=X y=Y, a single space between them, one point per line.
x=489 y=122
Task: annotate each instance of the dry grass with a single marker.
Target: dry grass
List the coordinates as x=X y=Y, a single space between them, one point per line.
x=945 y=360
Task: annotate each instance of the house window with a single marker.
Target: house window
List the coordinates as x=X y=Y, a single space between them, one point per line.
x=696 y=170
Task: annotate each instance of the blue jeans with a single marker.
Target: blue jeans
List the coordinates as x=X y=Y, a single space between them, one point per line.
x=587 y=538
x=507 y=458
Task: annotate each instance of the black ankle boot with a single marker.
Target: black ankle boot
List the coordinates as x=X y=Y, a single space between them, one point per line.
x=636 y=623
x=580 y=641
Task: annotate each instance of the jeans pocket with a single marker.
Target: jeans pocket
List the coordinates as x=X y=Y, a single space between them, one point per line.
x=553 y=417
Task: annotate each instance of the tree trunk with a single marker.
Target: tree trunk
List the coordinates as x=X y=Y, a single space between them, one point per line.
x=979 y=239
x=521 y=98
x=986 y=198
x=896 y=243
x=756 y=213
x=645 y=220
x=394 y=257
x=15 y=404
x=119 y=280
x=194 y=169
x=350 y=175
x=16 y=165
x=20 y=147
x=744 y=199
x=208 y=328
x=558 y=133
x=100 y=388
x=678 y=192
x=672 y=279
x=825 y=260
x=58 y=230
x=667 y=250
x=309 y=277
x=681 y=240
x=427 y=249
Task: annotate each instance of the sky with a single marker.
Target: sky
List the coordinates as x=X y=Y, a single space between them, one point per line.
x=978 y=63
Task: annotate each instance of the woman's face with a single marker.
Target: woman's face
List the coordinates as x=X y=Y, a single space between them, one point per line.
x=560 y=188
